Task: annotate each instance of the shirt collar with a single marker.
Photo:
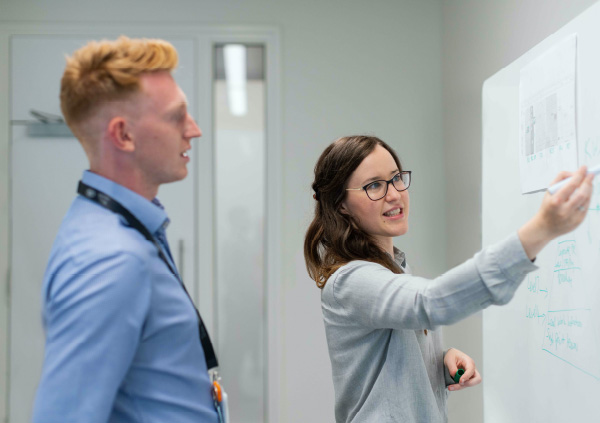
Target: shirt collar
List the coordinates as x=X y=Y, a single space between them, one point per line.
x=400 y=258
x=150 y=213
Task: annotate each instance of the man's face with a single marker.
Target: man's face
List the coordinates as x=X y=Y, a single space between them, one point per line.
x=162 y=130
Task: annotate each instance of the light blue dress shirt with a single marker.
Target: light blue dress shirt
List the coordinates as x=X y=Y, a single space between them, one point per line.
x=122 y=341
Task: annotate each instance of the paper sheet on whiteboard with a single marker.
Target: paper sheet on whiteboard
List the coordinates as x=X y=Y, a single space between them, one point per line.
x=548 y=141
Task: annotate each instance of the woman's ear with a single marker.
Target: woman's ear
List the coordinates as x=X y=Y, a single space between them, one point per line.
x=343 y=209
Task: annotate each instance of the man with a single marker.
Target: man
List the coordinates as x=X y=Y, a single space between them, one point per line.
x=122 y=336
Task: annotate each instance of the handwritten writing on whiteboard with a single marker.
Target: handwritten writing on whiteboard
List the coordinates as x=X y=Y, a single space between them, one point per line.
x=559 y=306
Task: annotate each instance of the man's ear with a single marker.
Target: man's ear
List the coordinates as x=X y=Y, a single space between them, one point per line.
x=119 y=134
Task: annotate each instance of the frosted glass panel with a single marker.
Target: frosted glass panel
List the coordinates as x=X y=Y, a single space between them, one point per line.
x=240 y=233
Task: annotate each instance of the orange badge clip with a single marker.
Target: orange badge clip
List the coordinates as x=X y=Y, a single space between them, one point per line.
x=217 y=393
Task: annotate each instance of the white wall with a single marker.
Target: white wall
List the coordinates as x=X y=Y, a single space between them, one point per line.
x=347 y=67
x=479 y=38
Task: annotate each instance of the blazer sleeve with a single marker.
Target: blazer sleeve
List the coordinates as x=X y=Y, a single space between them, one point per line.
x=375 y=297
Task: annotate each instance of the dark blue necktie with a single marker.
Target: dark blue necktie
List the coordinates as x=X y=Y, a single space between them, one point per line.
x=161 y=235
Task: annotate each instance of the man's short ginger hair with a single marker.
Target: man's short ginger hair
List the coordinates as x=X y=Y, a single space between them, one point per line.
x=105 y=71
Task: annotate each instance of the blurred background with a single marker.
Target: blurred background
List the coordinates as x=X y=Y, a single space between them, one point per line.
x=271 y=84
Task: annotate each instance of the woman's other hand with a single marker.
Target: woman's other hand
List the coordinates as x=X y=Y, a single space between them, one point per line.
x=456 y=359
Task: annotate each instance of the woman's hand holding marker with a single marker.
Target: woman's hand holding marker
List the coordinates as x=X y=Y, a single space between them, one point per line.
x=560 y=212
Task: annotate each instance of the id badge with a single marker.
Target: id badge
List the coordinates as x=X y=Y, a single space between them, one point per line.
x=220 y=400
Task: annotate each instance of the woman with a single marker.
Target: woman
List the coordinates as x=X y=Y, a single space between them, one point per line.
x=387 y=358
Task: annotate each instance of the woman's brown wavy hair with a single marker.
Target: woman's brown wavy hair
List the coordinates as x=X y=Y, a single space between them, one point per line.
x=333 y=238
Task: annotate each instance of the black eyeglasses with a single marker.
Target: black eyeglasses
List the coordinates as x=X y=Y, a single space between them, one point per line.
x=376 y=190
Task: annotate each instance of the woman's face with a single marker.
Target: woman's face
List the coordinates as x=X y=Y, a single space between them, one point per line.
x=378 y=218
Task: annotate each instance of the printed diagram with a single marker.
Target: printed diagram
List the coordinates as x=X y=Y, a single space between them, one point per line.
x=548 y=141
x=546 y=125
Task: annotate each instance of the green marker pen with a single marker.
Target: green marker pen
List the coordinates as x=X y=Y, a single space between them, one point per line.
x=458 y=374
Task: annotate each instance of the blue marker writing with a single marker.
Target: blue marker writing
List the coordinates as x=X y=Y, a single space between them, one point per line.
x=559 y=185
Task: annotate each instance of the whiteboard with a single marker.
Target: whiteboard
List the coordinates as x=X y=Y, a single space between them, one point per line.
x=542 y=350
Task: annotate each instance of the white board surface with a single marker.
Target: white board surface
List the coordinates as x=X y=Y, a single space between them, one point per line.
x=542 y=350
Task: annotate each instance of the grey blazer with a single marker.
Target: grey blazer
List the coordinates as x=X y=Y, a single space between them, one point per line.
x=385 y=369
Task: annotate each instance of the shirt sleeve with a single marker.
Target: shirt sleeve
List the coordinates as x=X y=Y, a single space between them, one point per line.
x=94 y=317
x=377 y=298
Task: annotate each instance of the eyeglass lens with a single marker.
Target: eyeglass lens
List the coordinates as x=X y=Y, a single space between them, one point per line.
x=378 y=189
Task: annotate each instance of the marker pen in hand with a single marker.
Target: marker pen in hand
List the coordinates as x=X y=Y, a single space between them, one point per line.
x=559 y=185
x=458 y=374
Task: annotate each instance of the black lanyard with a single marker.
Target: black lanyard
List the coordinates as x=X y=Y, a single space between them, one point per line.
x=111 y=204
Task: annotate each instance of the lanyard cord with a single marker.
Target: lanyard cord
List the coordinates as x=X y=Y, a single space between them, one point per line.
x=111 y=204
